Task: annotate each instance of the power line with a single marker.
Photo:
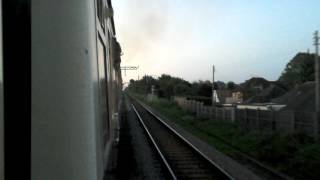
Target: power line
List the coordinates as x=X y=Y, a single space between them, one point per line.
x=125 y=68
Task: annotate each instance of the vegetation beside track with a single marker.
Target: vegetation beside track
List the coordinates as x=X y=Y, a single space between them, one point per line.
x=296 y=155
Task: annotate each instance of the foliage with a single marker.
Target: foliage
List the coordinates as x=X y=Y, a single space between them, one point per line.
x=205 y=100
x=168 y=86
x=219 y=85
x=231 y=85
x=299 y=70
x=205 y=89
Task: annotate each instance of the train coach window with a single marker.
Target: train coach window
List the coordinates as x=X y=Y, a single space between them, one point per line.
x=108 y=63
x=103 y=91
x=100 y=12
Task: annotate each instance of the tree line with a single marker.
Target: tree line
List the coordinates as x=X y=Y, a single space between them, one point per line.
x=167 y=86
x=299 y=70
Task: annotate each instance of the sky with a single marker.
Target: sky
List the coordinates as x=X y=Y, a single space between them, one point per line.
x=242 y=38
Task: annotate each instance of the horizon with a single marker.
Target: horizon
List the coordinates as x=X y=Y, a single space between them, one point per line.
x=210 y=80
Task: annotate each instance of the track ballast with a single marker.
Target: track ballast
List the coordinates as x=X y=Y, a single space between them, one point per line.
x=180 y=157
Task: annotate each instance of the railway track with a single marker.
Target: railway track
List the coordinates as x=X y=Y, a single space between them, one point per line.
x=181 y=159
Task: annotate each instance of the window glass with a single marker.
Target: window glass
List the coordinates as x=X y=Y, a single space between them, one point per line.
x=103 y=90
x=100 y=12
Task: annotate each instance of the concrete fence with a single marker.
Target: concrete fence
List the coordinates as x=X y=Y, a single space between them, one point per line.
x=273 y=121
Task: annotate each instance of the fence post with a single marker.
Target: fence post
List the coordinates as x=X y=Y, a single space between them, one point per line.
x=316 y=125
x=183 y=103
x=258 y=118
x=187 y=103
x=223 y=115
x=201 y=109
x=233 y=114
x=273 y=121
x=198 y=109
x=292 y=122
x=206 y=111
x=212 y=112
x=246 y=118
x=192 y=106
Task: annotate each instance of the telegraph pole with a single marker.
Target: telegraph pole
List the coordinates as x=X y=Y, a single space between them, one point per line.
x=213 y=97
x=317 y=81
x=317 y=72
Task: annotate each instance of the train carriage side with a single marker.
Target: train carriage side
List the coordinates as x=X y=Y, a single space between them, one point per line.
x=74 y=99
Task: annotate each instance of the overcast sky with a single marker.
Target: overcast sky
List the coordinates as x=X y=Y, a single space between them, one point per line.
x=242 y=38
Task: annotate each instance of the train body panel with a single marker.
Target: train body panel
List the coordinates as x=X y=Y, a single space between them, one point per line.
x=74 y=93
x=1 y=102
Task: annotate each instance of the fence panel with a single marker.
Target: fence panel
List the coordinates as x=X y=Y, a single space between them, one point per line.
x=284 y=121
x=304 y=122
x=241 y=117
x=227 y=115
x=281 y=121
x=266 y=120
x=252 y=119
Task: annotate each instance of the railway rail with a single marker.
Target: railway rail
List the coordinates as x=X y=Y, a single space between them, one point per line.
x=181 y=159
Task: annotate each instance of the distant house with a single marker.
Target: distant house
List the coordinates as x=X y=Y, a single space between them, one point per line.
x=228 y=96
x=236 y=98
x=220 y=96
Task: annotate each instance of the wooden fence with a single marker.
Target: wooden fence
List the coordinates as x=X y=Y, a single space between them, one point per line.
x=273 y=121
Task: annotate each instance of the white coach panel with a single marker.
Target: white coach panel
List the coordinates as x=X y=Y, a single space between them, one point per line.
x=64 y=91
x=1 y=104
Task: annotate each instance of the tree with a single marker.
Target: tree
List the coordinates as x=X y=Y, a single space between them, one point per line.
x=205 y=89
x=231 y=85
x=220 y=85
x=299 y=70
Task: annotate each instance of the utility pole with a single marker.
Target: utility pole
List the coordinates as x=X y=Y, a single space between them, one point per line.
x=317 y=81
x=213 y=97
x=317 y=73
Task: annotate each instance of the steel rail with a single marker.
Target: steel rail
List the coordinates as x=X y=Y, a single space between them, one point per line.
x=155 y=145
x=186 y=141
